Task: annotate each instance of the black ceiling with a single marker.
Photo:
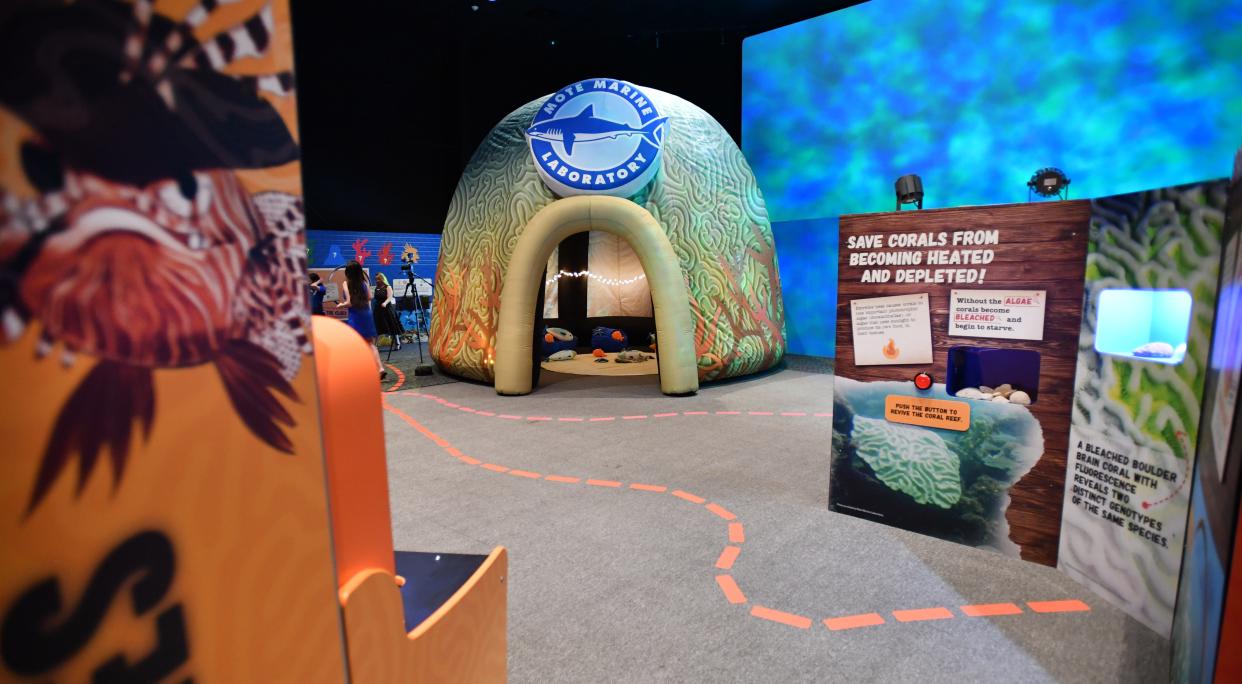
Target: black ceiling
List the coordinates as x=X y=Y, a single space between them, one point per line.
x=395 y=96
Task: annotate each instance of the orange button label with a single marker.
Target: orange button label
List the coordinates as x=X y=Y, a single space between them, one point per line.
x=936 y=413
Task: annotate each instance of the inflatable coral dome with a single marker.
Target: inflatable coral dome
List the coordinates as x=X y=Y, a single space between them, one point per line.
x=699 y=228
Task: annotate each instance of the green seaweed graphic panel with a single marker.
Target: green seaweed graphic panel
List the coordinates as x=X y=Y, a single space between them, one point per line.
x=1128 y=547
x=1160 y=240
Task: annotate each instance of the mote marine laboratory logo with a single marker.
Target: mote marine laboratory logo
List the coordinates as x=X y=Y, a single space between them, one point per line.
x=599 y=136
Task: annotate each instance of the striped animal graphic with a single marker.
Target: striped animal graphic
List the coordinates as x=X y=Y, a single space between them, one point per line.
x=143 y=250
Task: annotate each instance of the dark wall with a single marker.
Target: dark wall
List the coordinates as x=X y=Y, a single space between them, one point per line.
x=393 y=98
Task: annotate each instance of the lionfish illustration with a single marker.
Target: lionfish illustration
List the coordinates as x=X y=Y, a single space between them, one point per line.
x=143 y=250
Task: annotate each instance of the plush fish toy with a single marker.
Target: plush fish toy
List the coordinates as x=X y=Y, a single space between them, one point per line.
x=632 y=356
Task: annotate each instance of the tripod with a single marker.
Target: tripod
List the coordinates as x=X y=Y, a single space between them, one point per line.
x=420 y=324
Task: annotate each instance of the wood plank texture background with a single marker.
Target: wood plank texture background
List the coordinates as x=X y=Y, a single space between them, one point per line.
x=1043 y=246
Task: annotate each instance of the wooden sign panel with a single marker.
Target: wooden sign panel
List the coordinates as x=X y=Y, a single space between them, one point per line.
x=998 y=484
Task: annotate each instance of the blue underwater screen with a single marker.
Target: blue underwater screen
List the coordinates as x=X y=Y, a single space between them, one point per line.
x=975 y=96
x=807 y=258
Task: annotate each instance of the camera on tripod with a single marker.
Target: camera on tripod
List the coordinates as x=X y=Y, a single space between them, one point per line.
x=410 y=300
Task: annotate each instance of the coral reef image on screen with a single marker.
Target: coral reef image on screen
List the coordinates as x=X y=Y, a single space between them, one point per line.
x=976 y=96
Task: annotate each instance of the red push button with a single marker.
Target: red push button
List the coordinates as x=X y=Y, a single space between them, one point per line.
x=923 y=381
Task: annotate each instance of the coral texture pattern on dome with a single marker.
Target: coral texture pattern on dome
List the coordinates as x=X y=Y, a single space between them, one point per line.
x=706 y=199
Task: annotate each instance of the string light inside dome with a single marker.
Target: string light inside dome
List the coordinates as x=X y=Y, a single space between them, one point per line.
x=596 y=277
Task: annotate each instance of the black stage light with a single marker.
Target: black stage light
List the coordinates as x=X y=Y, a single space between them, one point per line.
x=1048 y=182
x=909 y=191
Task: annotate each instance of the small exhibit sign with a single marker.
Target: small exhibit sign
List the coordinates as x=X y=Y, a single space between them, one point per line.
x=1004 y=314
x=925 y=412
x=421 y=287
x=891 y=330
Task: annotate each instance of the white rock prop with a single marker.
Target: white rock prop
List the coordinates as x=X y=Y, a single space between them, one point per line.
x=563 y=355
x=1003 y=394
x=1158 y=350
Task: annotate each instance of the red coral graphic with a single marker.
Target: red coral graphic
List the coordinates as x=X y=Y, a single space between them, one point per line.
x=361 y=252
x=385 y=254
x=451 y=283
x=749 y=317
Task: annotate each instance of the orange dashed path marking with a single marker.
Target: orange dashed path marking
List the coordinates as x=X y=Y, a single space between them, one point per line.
x=921 y=614
x=737 y=535
x=854 y=621
x=727 y=557
x=573 y=419
x=990 y=609
x=731 y=591
x=688 y=496
x=1068 y=606
x=781 y=616
x=400 y=378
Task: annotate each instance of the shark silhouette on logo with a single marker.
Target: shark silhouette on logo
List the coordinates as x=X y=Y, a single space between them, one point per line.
x=586 y=127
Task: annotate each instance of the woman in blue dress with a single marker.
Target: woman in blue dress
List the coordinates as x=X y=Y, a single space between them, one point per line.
x=358 y=299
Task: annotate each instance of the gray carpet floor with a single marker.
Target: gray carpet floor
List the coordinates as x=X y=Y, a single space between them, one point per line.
x=619 y=584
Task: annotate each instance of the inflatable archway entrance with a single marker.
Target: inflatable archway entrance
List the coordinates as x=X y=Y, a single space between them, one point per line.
x=669 y=295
